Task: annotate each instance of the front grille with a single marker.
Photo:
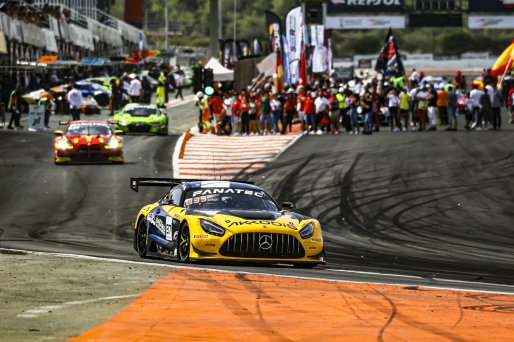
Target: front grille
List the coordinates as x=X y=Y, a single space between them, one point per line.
x=82 y=151
x=139 y=128
x=89 y=152
x=263 y=245
x=95 y=150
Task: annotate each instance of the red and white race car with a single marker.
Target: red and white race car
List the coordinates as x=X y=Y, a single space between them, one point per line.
x=88 y=141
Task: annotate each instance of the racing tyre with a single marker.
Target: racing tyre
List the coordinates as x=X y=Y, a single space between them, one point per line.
x=305 y=265
x=184 y=243
x=165 y=130
x=141 y=239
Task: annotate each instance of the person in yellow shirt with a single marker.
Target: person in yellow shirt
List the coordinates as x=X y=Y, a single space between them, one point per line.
x=442 y=106
x=161 y=88
x=404 y=109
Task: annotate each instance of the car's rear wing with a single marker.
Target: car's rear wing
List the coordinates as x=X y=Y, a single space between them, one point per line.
x=136 y=182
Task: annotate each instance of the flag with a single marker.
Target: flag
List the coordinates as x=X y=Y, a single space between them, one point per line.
x=294 y=32
x=504 y=62
x=389 y=61
x=279 y=80
x=285 y=59
x=256 y=47
x=274 y=27
x=317 y=41
x=229 y=53
x=303 y=68
x=327 y=52
x=243 y=48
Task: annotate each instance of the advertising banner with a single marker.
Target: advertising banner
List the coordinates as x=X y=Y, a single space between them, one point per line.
x=490 y=22
x=491 y=5
x=317 y=41
x=36 y=117
x=274 y=27
x=364 y=6
x=294 y=30
x=229 y=53
x=365 y=22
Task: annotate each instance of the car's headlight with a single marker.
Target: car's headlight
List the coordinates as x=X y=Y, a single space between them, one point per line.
x=123 y=122
x=63 y=145
x=307 y=231
x=114 y=143
x=212 y=228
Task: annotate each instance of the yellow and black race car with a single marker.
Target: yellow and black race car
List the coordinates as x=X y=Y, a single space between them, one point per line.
x=222 y=220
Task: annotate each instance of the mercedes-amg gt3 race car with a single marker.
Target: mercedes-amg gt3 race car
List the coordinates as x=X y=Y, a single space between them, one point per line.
x=88 y=141
x=222 y=220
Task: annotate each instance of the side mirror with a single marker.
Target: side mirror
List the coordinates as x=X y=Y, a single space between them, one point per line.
x=287 y=206
x=119 y=131
x=59 y=133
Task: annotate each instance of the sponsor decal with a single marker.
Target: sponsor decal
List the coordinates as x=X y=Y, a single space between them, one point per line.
x=316 y=240
x=200 y=236
x=209 y=245
x=175 y=236
x=265 y=242
x=312 y=247
x=151 y=218
x=267 y=223
x=169 y=229
x=160 y=225
x=213 y=191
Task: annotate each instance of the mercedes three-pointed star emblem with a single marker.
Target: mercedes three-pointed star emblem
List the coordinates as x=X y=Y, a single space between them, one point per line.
x=265 y=242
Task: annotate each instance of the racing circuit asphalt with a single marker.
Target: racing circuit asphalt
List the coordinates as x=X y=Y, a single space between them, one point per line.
x=431 y=208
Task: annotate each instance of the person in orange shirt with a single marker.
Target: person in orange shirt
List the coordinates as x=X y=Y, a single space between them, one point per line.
x=442 y=105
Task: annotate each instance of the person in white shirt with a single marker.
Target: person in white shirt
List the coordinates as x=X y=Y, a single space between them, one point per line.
x=414 y=77
x=321 y=104
x=179 y=82
x=475 y=95
x=135 y=89
x=75 y=100
x=413 y=105
x=393 y=105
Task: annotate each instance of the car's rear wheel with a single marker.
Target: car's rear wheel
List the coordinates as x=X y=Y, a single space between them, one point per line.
x=184 y=243
x=141 y=239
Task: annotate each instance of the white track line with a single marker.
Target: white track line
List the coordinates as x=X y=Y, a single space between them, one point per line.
x=40 y=310
x=435 y=287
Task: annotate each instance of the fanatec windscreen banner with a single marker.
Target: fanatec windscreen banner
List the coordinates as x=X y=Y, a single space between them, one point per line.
x=364 y=6
x=491 y=5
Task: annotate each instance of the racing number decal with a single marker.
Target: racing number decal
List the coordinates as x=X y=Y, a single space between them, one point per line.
x=169 y=228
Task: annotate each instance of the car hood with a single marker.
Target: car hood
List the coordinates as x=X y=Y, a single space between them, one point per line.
x=231 y=218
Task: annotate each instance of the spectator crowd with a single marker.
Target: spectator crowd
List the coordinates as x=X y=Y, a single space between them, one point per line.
x=361 y=106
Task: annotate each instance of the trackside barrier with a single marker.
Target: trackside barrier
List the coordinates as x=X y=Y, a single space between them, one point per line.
x=184 y=142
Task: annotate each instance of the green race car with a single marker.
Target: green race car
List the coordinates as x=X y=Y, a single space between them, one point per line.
x=142 y=118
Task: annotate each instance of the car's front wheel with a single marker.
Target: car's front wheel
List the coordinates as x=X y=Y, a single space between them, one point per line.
x=184 y=243
x=141 y=239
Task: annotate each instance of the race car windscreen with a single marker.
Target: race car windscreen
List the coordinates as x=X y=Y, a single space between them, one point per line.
x=141 y=111
x=228 y=198
x=88 y=130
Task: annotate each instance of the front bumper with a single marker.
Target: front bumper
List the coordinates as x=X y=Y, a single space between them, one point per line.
x=269 y=247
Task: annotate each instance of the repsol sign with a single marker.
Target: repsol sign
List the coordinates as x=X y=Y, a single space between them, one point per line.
x=364 y=6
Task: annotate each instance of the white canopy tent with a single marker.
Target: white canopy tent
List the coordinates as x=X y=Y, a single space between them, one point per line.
x=220 y=73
